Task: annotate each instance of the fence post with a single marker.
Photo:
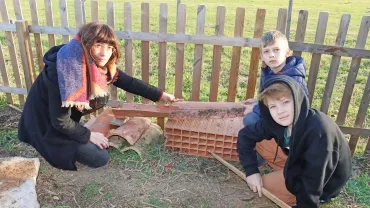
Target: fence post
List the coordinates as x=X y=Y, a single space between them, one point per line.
x=23 y=35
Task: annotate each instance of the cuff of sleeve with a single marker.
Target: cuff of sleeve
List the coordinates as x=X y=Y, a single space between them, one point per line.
x=160 y=97
x=251 y=170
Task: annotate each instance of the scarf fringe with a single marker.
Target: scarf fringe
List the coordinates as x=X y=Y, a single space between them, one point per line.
x=79 y=105
x=99 y=94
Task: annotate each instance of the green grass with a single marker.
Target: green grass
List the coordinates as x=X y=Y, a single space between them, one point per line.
x=91 y=191
x=9 y=141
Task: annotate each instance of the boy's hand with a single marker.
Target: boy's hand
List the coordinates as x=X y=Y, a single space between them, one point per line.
x=99 y=140
x=169 y=98
x=255 y=183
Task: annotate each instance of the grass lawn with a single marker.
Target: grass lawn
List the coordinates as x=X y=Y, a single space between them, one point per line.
x=356 y=8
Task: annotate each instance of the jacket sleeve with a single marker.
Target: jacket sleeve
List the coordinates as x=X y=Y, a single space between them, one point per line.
x=137 y=87
x=61 y=116
x=246 y=144
x=315 y=171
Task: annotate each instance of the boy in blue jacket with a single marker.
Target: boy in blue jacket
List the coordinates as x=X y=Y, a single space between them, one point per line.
x=276 y=60
x=305 y=147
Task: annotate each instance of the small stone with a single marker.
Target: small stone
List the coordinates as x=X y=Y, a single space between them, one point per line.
x=56 y=198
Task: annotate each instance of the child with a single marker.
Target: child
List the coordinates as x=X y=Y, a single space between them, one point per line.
x=74 y=83
x=276 y=60
x=310 y=156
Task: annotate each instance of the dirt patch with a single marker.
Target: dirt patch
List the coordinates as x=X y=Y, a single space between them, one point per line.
x=8 y=118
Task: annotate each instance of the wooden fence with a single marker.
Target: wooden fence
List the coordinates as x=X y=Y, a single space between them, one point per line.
x=25 y=30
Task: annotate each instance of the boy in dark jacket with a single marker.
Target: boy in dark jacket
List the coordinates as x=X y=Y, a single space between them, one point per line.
x=310 y=156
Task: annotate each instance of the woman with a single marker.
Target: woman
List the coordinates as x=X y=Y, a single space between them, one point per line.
x=74 y=83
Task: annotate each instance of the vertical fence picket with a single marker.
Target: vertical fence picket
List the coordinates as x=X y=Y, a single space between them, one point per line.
x=24 y=42
x=145 y=46
x=163 y=16
x=128 y=46
x=361 y=115
x=281 y=20
x=49 y=20
x=4 y=76
x=94 y=11
x=334 y=65
x=12 y=52
x=217 y=51
x=63 y=17
x=236 y=51
x=110 y=22
x=301 y=29
x=352 y=74
x=255 y=56
x=198 y=54
x=179 y=66
x=78 y=13
x=37 y=36
x=316 y=57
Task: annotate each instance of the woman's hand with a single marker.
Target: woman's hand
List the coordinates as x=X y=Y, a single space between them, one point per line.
x=255 y=183
x=169 y=98
x=99 y=140
x=249 y=105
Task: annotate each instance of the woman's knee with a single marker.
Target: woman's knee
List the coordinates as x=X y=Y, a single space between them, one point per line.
x=91 y=155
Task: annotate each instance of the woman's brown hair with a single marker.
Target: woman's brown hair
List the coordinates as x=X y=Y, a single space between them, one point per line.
x=95 y=32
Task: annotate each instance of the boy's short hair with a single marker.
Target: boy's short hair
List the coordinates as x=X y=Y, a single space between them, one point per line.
x=275 y=91
x=270 y=37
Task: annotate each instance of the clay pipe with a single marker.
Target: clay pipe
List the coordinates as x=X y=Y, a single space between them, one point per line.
x=238 y=172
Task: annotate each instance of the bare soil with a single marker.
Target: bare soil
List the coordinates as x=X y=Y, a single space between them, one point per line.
x=162 y=181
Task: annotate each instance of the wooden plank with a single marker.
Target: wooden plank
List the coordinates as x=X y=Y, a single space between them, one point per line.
x=110 y=22
x=368 y=144
x=301 y=29
x=281 y=20
x=361 y=115
x=145 y=46
x=37 y=36
x=255 y=56
x=353 y=70
x=316 y=58
x=179 y=66
x=217 y=51
x=334 y=66
x=94 y=11
x=11 y=48
x=49 y=20
x=4 y=76
x=17 y=10
x=79 y=14
x=235 y=58
x=128 y=46
x=25 y=52
x=63 y=17
x=355 y=131
x=198 y=54
x=162 y=62
x=13 y=90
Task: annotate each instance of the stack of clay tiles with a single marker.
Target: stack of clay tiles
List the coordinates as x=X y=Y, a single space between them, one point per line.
x=136 y=133
x=196 y=135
